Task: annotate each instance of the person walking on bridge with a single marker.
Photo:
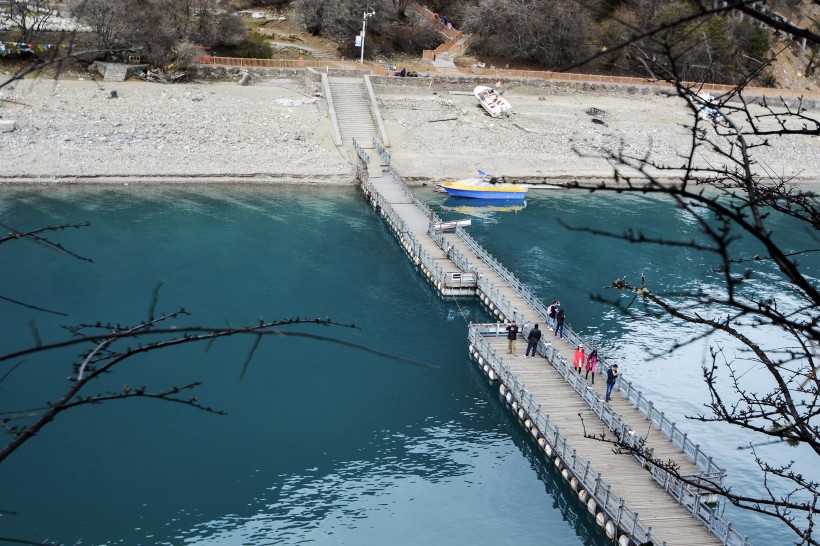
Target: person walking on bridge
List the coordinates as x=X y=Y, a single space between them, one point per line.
x=512 y=335
x=580 y=358
x=559 y=324
x=532 y=341
x=592 y=364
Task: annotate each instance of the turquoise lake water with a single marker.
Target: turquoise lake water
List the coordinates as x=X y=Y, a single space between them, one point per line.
x=322 y=443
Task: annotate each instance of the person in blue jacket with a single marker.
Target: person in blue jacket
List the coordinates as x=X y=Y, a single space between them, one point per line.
x=611 y=377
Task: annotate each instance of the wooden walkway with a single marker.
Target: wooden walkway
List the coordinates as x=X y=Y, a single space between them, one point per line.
x=633 y=500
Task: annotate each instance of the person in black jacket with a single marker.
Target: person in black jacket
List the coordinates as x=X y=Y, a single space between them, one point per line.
x=512 y=335
x=532 y=341
x=559 y=324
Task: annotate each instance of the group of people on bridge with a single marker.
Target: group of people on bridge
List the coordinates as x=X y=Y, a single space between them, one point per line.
x=581 y=360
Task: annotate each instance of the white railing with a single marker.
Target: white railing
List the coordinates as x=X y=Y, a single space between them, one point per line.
x=666 y=426
x=709 y=470
x=406 y=237
x=581 y=468
x=360 y=152
x=687 y=495
x=385 y=155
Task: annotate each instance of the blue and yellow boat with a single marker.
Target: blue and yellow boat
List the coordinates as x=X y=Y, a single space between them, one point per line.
x=484 y=188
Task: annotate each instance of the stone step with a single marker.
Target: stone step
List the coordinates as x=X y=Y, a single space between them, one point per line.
x=115 y=73
x=354 y=115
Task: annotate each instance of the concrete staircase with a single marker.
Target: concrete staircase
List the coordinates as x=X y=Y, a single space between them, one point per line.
x=457 y=42
x=355 y=118
x=115 y=72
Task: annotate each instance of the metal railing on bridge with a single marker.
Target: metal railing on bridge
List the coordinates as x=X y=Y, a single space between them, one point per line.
x=385 y=155
x=581 y=468
x=710 y=469
x=710 y=472
x=686 y=495
x=633 y=394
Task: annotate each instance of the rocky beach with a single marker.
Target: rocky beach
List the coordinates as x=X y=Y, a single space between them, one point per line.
x=278 y=130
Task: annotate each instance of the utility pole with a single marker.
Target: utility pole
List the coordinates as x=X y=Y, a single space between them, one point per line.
x=368 y=12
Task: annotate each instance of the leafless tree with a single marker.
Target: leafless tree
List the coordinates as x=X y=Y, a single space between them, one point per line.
x=30 y=16
x=106 y=18
x=158 y=26
x=529 y=30
x=733 y=197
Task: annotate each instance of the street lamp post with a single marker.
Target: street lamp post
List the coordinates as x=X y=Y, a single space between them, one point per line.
x=367 y=13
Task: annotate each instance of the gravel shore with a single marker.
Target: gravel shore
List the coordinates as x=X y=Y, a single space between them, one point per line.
x=274 y=131
x=76 y=130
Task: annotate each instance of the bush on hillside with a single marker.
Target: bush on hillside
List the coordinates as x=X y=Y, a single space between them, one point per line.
x=254 y=46
x=185 y=53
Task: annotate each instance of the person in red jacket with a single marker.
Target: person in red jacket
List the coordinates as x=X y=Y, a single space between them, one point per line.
x=580 y=358
x=592 y=365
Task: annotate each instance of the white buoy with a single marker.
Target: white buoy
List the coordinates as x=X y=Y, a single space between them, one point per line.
x=610 y=529
x=528 y=424
x=481 y=361
x=600 y=519
x=521 y=413
x=548 y=450
x=534 y=432
x=514 y=404
x=502 y=389
x=471 y=348
x=542 y=442
x=486 y=368
x=623 y=540
x=583 y=495
x=592 y=506
x=509 y=397
x=493 y=377
x=565 y=474
x=573 y=483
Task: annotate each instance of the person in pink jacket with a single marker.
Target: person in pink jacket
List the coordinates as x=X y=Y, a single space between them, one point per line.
x=580 y=358
x=592 y=364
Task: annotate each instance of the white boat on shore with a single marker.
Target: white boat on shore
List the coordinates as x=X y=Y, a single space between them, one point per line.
x=495 y=105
